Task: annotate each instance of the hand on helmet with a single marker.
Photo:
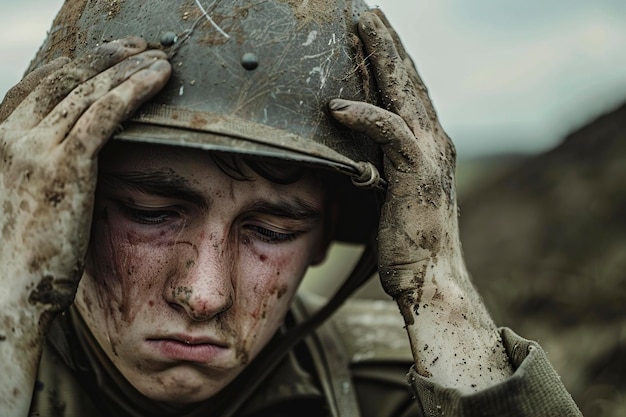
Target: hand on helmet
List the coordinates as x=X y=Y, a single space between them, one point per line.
x=419 y=215
x=53 y=124
x=453 y=338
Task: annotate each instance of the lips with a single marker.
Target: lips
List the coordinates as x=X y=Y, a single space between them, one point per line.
x=188 y=348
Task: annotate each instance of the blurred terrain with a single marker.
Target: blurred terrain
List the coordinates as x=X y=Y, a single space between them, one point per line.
x=545 y=240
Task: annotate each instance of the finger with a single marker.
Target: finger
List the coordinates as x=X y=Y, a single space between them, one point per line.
x=17 y=94
x=61 y=119
x=410 y=67
x=399 y=93
x=100 y=121
x=59 y=84
x=386 y=128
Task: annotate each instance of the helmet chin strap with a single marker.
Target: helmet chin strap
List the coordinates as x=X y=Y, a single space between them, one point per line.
x=251 y=377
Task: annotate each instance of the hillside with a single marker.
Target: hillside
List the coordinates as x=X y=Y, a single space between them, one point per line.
x=545 y=241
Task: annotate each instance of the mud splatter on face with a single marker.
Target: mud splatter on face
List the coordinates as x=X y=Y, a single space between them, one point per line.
x=281 y=291
x=202 y=270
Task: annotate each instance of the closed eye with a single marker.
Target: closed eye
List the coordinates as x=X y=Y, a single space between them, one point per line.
x=148 y=216
x=271 y=236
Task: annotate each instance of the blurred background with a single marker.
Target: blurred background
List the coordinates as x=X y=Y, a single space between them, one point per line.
x=533 y=94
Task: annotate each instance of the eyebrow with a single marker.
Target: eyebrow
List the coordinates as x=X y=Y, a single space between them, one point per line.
x=294 y=208
x=162 y=183
x=166 y=183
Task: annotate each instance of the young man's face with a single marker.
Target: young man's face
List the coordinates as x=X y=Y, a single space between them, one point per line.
x=191 y=272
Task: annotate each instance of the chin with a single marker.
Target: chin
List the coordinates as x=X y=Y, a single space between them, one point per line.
x=180 y=395
x=181 y=387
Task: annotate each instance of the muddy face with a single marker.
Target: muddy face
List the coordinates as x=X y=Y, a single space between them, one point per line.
x=191 y=272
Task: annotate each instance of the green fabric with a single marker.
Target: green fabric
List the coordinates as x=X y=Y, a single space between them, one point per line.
x=76 y=379
x=535 y=389
x=72 y=385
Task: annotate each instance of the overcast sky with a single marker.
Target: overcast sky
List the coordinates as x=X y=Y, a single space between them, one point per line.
x=504 y=75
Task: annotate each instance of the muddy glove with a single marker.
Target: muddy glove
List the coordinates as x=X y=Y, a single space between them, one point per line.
x=53 y=124
x=453 y=338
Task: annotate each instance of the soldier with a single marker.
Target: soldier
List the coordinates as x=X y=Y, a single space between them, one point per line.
x=156 y=273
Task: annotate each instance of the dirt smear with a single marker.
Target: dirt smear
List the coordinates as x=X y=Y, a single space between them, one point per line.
x=63 y=35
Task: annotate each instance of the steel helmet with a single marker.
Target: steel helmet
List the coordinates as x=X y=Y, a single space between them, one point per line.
x=249 y=76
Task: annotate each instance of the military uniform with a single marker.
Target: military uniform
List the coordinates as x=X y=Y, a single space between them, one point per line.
x=355 y=364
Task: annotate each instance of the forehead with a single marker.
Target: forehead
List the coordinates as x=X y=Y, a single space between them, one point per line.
x=202 y=168
x=118 y=155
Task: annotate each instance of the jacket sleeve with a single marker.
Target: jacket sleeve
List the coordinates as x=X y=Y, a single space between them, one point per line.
x=534 y=389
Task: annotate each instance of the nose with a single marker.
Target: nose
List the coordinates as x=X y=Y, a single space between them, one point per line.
x=202 y=284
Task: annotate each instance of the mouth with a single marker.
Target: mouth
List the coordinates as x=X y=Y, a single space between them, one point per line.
x=188 y=348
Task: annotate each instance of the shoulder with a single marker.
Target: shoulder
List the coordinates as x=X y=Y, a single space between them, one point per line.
x=58 y=392
x=377 y=346
x=372 y=331
x=368 y=330
x=367 y=339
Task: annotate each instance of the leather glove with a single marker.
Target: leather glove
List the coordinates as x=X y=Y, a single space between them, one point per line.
x=420 y=258
x=53 y=124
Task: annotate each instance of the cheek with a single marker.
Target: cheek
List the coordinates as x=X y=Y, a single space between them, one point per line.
x=273 y=273
x=126 y=271
x=268 y=291
x=268 y=280
x=282 y=269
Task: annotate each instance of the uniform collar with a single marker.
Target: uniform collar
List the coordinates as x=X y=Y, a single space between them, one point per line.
x=289 y=383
